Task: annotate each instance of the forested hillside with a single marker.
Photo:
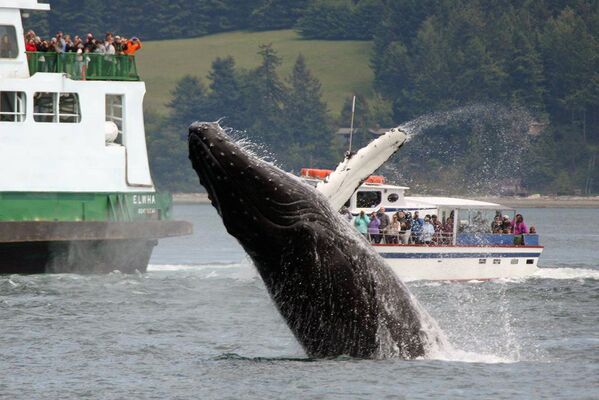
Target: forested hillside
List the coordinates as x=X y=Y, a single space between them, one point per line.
x=539 y=58
x=541 y=55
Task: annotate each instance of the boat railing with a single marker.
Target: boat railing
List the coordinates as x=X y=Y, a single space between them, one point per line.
x=462 y=239
x=85 y=66
x=496 y=239
x=439 y=238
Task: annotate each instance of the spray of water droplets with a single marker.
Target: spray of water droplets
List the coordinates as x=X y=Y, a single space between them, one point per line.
x=469 y=149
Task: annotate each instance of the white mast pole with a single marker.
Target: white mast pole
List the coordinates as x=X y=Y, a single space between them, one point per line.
x=351 y=128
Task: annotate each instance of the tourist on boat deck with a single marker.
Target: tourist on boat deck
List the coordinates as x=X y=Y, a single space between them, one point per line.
x=373 y=228
x=108 y=44
x=532 y=230
x=361 y=223
x=447 y=231
x=120 y=45
x=405 y=227
x=428 y=230
x=417 y=224
x=30 y=44
x=384 y=219
x=392 y=232
x=497 y=225
x=506 y=225
x=132 y=46
x=61 y=44
x=438 y=226
x=519 y=227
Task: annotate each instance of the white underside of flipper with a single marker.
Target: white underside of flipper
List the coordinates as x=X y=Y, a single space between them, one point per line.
x=340 y=185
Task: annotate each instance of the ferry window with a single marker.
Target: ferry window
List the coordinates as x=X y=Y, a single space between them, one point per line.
x=114 y=113
x=393 y=197
x=8 y=42
x=68 y=108
x=54 y=107
x=12 y=106
x=368 y=199
x=44 y=107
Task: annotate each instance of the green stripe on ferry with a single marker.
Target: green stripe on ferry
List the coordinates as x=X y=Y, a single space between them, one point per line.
x=32 y=206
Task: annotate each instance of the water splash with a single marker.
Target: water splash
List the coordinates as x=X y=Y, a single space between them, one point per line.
x=468 y=149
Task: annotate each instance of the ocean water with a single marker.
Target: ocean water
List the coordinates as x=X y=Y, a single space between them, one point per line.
x=200 y=325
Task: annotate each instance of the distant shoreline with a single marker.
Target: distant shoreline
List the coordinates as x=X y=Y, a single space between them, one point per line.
x=546 y=201
x=514 y=202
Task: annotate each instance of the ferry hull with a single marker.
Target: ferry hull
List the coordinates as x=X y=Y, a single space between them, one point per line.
x=461 y=263
x=82 y=247
x=82 y=257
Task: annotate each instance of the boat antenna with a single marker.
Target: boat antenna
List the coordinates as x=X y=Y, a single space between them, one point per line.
x=351 y=127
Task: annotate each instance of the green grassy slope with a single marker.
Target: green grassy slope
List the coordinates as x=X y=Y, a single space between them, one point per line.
x=341 y=66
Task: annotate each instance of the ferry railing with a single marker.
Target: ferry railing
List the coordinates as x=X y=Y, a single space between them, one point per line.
x=85 y=66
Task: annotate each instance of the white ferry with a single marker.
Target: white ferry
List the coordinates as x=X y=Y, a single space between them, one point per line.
x=470 y=252
x=76 y=194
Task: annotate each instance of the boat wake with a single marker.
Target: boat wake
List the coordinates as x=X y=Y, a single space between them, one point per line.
x=567 y=273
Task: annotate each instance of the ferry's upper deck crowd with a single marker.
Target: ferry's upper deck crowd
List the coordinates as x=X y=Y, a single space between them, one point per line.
x=111 y=44
x=407 y=228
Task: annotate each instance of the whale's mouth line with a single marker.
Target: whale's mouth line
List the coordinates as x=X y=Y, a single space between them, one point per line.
x=207 y=171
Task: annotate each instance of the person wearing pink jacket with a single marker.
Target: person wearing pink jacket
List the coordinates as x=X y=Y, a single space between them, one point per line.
x=519 y=226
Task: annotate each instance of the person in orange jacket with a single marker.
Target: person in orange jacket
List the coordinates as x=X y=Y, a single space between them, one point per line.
x=132 y=46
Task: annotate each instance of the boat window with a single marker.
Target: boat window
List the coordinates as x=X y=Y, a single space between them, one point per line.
x=393 y=197
x=12 y=106
x=114 y=113
x=368 y=199
x=44 y=107
x=55 y=107
x=68 y=108
x=8 y=42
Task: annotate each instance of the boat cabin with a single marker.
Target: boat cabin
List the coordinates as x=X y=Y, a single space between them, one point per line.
x=69 y=122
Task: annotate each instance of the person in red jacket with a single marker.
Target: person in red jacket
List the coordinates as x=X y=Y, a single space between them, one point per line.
x=30 y=45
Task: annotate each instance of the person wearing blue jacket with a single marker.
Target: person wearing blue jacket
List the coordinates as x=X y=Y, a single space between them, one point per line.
x=361 y=223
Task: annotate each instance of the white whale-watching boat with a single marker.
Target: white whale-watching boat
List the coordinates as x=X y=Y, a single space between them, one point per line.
x=470 y=252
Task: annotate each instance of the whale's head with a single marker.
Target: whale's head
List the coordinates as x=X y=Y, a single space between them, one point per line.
x=260 y=204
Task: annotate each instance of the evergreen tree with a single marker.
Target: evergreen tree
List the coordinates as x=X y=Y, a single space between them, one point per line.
x=306 y=116
x=188 y=104
x=226 y=98
x=265 y=94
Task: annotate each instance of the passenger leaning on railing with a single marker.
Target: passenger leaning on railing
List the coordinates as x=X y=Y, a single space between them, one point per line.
x=392 y=232
x=374 y=228
x=417 y=224
x=428 y=231
x=133 y=46
x=361 y=223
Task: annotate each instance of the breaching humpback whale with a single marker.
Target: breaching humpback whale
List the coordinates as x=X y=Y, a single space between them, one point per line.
x=335 y=292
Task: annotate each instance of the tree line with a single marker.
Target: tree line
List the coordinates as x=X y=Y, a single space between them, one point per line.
x=541 y=55
x=175 y=19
